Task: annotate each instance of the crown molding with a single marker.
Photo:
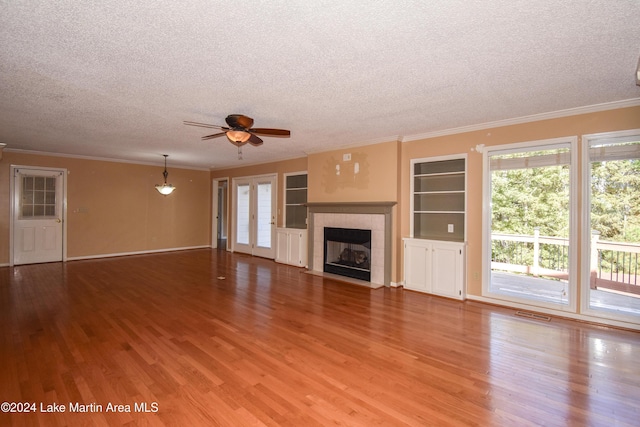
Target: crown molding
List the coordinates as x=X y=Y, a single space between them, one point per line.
x=527 y=119
x=99 y=159
x=380 y=140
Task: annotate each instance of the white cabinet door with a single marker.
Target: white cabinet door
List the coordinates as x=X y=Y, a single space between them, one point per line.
x=435 y=267
x=282 y=246
x=298 y=248
x=417 y=265
x=291 y=246
x=447 y=271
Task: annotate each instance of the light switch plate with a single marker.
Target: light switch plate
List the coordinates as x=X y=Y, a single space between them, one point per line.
x=450 y=228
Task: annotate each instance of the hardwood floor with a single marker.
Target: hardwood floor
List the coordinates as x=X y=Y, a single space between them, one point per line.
x=205 y=337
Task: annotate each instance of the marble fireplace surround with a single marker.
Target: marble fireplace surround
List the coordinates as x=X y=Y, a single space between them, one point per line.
x=375 y=216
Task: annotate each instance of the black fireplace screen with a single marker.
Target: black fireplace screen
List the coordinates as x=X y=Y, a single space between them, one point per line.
x=347 y=252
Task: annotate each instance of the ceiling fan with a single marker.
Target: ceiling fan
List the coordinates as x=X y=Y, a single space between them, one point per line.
x=239 y=130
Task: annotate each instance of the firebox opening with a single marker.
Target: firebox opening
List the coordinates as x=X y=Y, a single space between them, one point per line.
x=347 y=252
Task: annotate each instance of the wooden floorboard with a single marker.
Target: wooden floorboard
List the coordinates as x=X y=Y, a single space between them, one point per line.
x=205 y=337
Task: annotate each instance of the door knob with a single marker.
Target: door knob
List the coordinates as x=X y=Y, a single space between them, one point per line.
x=58 y=220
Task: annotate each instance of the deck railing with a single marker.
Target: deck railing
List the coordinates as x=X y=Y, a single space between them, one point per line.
x=614 y=265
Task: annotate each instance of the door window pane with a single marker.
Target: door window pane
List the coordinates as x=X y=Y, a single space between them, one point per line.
x=264 y=215
x=614 y=258
x=242 y=216
x=38 y=197
x=530 y=227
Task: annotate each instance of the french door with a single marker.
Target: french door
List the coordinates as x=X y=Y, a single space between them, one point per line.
x=38 y=214
x=255 y=215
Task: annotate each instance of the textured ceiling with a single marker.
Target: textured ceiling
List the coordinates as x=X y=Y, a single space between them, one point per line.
x=116 y=79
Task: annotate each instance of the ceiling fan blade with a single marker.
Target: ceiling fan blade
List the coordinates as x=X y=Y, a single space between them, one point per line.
x=254 y=140
x=271 y=132
x=202 y=125
x=215 y=135
x=239 y=121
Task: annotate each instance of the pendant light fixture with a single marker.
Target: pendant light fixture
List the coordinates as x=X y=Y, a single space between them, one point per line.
x=165 y=189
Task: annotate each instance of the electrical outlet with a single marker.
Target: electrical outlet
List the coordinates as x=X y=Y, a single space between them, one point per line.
x=450 y=228
x=346 y=157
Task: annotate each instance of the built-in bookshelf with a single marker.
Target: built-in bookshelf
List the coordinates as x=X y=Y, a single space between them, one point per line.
x=295 y=200
x=438 y=199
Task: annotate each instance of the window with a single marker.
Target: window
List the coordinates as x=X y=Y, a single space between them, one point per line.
x=295 y=211
x=530 y=223
x=38 y=197
x=611 y=258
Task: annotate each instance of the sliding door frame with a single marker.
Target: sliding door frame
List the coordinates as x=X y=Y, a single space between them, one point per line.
x=573 y=223
x=585 y=297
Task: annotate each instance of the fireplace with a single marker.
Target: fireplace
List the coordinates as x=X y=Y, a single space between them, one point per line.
x=374 y=217
x=347 y=252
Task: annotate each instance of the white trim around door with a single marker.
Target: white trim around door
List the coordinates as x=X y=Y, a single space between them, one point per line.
x=254 y=209
x=37 y=231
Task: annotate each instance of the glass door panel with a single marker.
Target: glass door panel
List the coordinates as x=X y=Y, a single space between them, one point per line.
x=264 y=214
x=255 y=210
x=613 y=284
x=530 y=224
x=243 y=214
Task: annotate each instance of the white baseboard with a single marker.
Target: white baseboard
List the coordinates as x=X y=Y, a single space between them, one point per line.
x=155 y=251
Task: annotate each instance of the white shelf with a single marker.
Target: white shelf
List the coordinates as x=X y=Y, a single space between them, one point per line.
x=438 y=212
x=438 y=198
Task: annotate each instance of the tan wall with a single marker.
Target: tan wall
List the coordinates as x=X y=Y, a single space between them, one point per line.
x=278 y=168
x=114 y=208
x=606 y=121
x=376 y=180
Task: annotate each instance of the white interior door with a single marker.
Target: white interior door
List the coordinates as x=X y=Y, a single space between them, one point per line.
x=255 y=215
x=38 y=208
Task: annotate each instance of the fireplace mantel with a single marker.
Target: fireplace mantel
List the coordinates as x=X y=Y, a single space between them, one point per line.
x=356 y=208
x=351 y=207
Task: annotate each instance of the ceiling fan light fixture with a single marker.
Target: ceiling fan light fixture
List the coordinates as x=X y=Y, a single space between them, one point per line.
x=240 y=131
x=238 y=136
x=165 y=189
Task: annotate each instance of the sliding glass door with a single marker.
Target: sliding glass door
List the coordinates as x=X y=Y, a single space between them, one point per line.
x=611 y=259
x=529 y=223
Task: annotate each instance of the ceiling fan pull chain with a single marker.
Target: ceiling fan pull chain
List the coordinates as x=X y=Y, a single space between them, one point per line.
x=239 y=152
